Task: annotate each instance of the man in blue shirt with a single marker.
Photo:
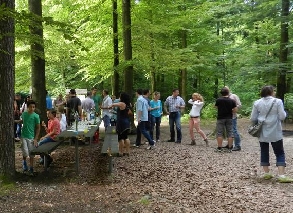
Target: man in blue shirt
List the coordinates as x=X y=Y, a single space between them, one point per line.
x=142 y=107
x=48 y=101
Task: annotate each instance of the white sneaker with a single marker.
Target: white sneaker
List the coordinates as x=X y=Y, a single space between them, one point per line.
x=150 y=147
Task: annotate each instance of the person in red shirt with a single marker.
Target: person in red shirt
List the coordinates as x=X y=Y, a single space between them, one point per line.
x=52 y=130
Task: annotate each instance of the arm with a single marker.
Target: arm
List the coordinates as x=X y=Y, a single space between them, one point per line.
x=190 y=101
x=182 y=103
x=166 y=106
x=79 y=110
x=38 y=127
x=254 y=114
x=281 y=111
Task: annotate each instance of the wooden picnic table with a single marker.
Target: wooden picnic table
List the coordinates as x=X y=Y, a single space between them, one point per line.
x=75 y=135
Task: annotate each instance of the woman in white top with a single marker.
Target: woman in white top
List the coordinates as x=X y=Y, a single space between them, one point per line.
x=197 y=104
x=271 y=132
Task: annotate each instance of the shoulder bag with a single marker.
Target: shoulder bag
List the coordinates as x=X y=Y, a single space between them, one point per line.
x=255 y=129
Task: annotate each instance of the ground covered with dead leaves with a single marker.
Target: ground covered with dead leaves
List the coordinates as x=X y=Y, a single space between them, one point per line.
x=170 y=178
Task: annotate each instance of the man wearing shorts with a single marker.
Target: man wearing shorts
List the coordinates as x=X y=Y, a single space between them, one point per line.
x=226 y=107
x=29 y=134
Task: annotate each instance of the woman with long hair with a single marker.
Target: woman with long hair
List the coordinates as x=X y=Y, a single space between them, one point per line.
x=123 y=123
x=194 y=120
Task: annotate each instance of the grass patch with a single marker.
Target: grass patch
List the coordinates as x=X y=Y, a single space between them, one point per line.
x=6 y=185
x=145 y=200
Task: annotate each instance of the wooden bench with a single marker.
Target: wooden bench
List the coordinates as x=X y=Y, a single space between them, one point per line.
x=46 y=149
x=110 y=145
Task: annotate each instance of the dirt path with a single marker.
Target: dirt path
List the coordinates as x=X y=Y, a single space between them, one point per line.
x=171 y=178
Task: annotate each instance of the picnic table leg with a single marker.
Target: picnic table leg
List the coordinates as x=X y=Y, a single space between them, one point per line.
x=46 y=162
x=75 y=141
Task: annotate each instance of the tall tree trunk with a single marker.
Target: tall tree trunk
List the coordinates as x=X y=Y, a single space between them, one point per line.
x=38 y=58
x=127 y=48
x=183 y=71
x=281 y=82
x=115 y=78
x=7 y=82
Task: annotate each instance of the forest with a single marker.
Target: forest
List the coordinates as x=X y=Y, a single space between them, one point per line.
x=197 y=46
x=194 y=45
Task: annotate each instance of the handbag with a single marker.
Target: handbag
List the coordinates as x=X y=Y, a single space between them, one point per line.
x=255 y=129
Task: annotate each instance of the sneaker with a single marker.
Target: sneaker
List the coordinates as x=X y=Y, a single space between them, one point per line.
x=178 y=142
x=193 y=142
x=171 y=140
x=218 y=150
x=228 y=150
x=158 y=140
x=17 y=139
x=236 y=148
x=227 y=147
x=134 y=145
x=150 y=147
x=285 y=179
x=31 y=171
x=24 y=166
x=267 y=176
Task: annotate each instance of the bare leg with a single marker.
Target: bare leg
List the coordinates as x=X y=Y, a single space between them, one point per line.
x=121 y=147
x=220 y=141
x=191 y=126
x=127 y=146
x=230 y=143
x=281 y=170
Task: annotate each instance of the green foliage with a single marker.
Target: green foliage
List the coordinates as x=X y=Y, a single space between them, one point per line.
x=232 y=43
x=6 y=185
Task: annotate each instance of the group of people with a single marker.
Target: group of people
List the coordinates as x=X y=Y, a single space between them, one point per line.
x=148 y=115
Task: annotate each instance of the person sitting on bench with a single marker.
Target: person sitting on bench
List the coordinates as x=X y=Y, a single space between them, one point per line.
x=52 y=131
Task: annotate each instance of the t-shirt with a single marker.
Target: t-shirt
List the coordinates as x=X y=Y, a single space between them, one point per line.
x=53 y=124
x=73 y=104
x=225 y=106
x=49 y=102
x=98 y=100
x=156 y=112
x=29 y=120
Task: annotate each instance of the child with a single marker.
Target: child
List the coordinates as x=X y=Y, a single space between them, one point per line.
x=29 y=134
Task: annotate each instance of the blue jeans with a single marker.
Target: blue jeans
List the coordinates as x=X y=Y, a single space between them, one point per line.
x=45 y=140
x=155 y=121
x=278 y=150
x=141 y=129
x=106 y=120
x=175 y=118
x=237 y=140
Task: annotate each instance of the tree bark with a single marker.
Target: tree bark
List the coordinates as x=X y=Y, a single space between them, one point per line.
x=38 y=59
x=281 y=81
x=7 y=82
x=115 y=78
x=183 y=71
x=127 y=48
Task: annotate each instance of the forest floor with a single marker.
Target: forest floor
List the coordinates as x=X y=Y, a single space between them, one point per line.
x=170 y=178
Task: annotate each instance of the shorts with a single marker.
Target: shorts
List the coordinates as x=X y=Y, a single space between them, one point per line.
x=223 y=124
x=123 y=135
x=27 y=145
